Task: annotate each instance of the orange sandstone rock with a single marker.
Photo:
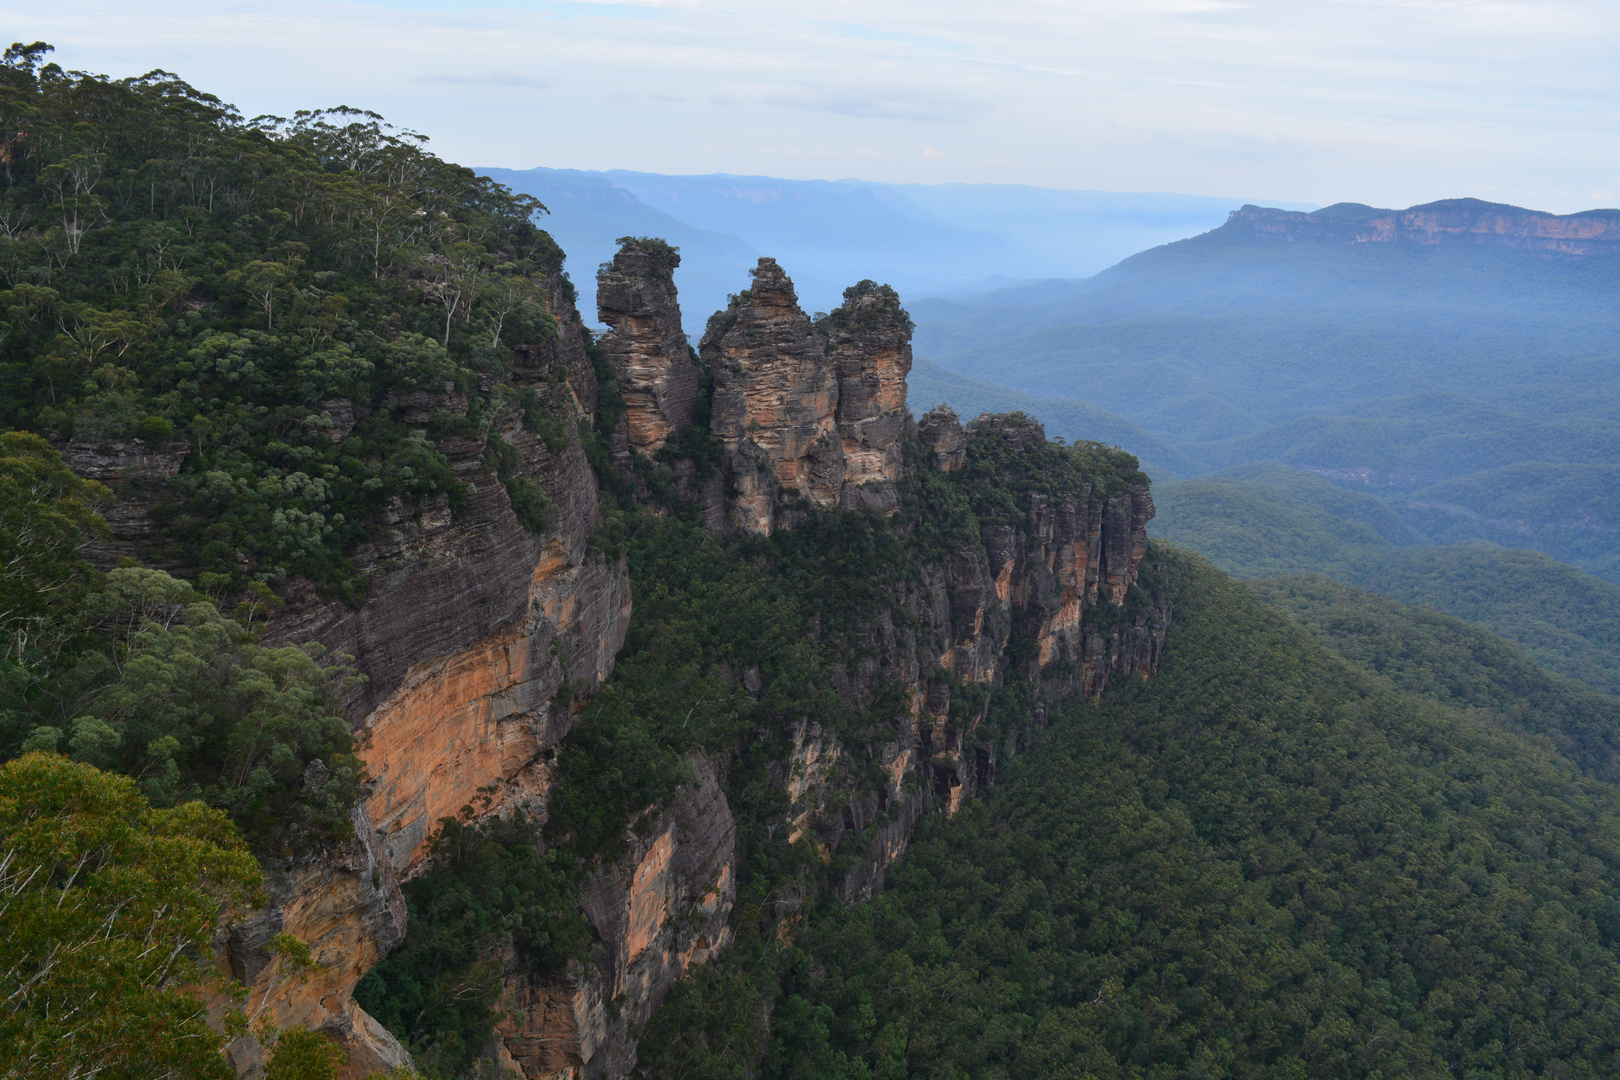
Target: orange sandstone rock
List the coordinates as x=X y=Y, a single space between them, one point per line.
x=635 y=296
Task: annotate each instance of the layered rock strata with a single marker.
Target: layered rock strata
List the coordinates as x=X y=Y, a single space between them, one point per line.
x=129 y=467
x=1063 y=574
x=809 y=415
x=659 y=910
x=1450 y=221
x=635 y=297
x=471 y=627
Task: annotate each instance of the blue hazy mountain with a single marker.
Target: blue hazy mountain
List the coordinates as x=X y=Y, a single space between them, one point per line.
x=1460 y=361
x=925 y=240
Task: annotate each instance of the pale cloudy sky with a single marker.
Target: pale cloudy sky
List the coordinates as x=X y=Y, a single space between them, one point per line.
x=1391 y=102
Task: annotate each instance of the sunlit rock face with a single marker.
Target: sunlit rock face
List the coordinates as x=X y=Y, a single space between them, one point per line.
x=471 y=627
x=657 y=911
x=809 y=414
x=646 y=347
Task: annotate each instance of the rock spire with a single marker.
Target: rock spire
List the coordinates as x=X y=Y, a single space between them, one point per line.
x=635 y=296
x=809 y=414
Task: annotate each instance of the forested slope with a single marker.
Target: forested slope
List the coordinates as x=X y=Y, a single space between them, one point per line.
x=1270 y=519
x=1266 y=861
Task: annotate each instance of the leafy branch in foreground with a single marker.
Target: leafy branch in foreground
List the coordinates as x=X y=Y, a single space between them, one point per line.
x=109 y=908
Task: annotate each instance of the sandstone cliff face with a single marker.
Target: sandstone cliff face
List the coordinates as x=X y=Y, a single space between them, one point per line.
x=1450 y=221
x=809 y=415
x=471 y=627
x=127 y=466
x=635 y=296
x=658 y=911
x=1048 y=594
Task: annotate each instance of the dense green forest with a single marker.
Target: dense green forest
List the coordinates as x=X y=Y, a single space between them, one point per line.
x=186 y=285
x=1267 y=861
x=1269 y=519
x=191 y=285
x=174 y=271
x=797 y=610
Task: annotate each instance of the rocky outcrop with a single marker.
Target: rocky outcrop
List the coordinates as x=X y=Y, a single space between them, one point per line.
x=1450 y=221
x=1046 y=593
x=869 y=344
x=635 y=297
x=348 y=909
x=474 y=627
x=808 y=415
x=656 y=912
x=941 y=432
x=131 y=468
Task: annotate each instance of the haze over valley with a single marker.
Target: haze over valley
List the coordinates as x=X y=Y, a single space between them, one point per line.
x=822 y=565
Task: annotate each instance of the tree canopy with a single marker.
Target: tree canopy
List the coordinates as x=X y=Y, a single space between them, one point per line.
x=109 y=908
x=257 y=296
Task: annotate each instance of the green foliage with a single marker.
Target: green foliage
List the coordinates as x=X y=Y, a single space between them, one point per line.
x=110 y=907
x=529 y=503
x=1443 y=658
x=708 y=611
x=1268 y=520
x=1568 y=621
x=489 y=888
x=173 y=272
x=1570 y=511
x=46 y=516
x=170 y=691
x=735 y=644
x=1011 y=461
x=1264 y=862
x=301 y=1054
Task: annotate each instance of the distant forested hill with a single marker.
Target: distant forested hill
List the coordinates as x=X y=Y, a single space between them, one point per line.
x=1463 y=368
x=1268 y=519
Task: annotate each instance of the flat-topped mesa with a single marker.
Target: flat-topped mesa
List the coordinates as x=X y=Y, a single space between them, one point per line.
x=646 y=347
x=808 y=414
x=1449 y=222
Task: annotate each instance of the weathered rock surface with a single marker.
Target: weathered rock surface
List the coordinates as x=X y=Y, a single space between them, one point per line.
x=809 y=415
x=1450 y=221
x=1061 y=572
x=129 y=467
x=348 y=909
x=635 y=296
x=471 y=626
x=658 y=911
x=941 y=431
x=869 y=342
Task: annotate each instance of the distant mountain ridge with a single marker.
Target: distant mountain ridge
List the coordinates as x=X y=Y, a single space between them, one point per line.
x=1590 y=232
x=1458 y=359
x=923 y=239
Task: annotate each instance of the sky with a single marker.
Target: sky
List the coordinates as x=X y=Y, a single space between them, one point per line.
x=1388 y=102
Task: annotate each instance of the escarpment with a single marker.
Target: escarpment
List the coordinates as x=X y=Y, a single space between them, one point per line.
x=809 y=414
x=477 y=632
x=1019 y=574
x=1450 y=222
